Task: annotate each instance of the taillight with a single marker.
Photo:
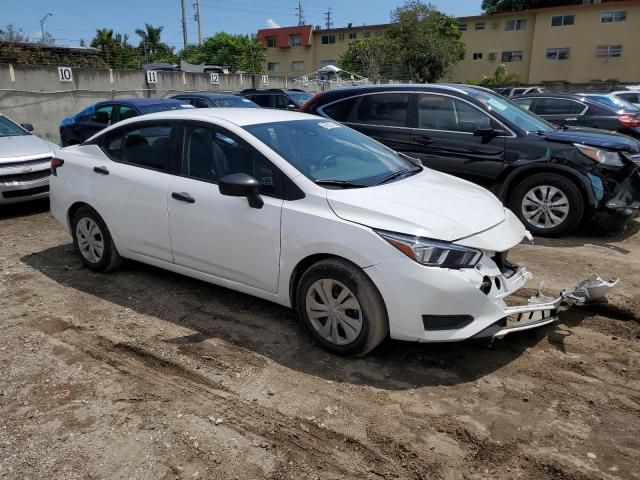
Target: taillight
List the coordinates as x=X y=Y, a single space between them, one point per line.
x=629 y=121
x=313 y=99
x=55 y=164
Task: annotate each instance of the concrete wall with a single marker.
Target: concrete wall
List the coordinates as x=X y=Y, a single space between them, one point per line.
x=35 y=94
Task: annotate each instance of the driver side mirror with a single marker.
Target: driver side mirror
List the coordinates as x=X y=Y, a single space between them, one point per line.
x=292 y=107
x=27 y=126
x=241 y=185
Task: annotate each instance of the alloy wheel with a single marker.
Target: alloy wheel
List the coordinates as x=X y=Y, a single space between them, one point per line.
x=545 y=206
x=90 y=240
x=334 y=311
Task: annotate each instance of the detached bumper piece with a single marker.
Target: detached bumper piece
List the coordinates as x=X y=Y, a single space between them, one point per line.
x=542 y=310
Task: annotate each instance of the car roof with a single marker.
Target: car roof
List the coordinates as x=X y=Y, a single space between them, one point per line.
x=211 y=95
x=140 y=101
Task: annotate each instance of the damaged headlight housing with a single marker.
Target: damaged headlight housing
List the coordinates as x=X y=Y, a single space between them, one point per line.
x=611 y=159
x=432 y=253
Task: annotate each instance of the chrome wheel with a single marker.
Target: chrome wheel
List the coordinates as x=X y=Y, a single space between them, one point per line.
x=545 y=206
x=90 y=240
x=334 y=311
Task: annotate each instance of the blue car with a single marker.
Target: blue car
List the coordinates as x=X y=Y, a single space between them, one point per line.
x=215 y=100
x=81 y=126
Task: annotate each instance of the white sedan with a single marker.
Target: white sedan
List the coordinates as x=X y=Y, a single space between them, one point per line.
x=362 y=241
x=25 y=161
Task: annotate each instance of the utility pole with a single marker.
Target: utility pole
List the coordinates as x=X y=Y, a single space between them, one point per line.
x=300 y=14
x=184 y=25
x=327 y=15
x=196 y=6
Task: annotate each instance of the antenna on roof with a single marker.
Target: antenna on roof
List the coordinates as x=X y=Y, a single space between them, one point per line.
x=327 y=15
x=300 y=14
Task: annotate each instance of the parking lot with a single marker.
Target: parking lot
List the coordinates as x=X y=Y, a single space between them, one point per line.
x=147 y=374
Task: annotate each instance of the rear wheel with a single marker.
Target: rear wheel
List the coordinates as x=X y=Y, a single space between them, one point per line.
x=92 y=239
x=548 y=204
x=341 y=307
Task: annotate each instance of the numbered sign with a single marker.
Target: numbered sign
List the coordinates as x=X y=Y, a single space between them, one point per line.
x=65 y=74
x=265 y=79
x=305 y=81
x=215 y=78
x=152 y=76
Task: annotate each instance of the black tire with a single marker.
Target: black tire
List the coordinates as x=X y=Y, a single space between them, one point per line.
x=110 y=258
x=566 y=187
x=372 y=316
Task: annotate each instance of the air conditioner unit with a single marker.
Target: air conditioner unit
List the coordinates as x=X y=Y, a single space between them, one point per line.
x=341 y=36
x=492 y=55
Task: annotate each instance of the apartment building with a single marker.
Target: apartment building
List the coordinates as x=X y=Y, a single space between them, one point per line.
x=590 y=42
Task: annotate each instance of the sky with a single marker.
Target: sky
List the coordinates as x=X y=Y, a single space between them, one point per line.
x=73 y=20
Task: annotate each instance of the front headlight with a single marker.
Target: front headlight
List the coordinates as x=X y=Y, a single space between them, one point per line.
x=432 y=253
x=604 y=157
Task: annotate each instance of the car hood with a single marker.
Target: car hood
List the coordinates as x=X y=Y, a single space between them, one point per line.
x=594 y=138
x=429 y=204
x=23 y=145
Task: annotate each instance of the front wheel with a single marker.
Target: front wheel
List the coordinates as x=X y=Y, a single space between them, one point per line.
x=341 y=307
x=548 y=204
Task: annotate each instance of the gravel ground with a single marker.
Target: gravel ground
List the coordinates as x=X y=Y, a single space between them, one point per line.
x=143 y=374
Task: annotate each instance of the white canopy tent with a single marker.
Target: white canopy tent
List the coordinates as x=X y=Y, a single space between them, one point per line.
x=331 y=76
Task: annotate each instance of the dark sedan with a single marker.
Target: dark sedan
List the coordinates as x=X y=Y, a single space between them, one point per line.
x=582 y=111
x=215 y=100
x=552 y=177
x=81 y=126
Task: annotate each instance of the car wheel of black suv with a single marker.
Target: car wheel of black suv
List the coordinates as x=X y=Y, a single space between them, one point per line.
x=93 y=241
x=341 y=307
x=548 y=204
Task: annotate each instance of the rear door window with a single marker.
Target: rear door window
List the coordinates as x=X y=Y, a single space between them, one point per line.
x=558 y=106
x=147 y=146
x=387 y=109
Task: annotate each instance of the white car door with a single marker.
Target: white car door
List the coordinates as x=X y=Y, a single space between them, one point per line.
x=222 y=235
x=130 y=186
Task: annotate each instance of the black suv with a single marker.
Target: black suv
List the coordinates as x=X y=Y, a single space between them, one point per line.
x=291 y=99
x=551 y=177
x=582 y=111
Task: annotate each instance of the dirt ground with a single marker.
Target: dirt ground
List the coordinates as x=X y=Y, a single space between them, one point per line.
x=143 y=374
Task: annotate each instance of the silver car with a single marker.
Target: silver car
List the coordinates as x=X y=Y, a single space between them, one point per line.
x=25 y=163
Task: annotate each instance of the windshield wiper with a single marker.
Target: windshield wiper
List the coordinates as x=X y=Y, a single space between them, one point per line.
x=397 y=174
x=340 y=183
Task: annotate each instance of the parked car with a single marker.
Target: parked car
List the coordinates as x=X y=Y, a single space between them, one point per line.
x=78 y=128
x=612 y=101
x=551 y=177
x=631 y=96
x=290 y=99
x=215 y=100
x=581 y=111
x=25 y=161
x=360 y=240
x=516 y=91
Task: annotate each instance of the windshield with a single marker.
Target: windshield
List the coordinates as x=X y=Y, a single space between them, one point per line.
x=327 y=151
x=512 y=112
x=235 y=102
x=301 y=97
x=10 y=129
x=614 y=102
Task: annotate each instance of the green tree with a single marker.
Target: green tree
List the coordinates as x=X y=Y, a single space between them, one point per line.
x=104 y=42
x=151 y=45
x=428 y=41
x=240 y=52
x=497 y=6
x=368 y=57
x=500 y=77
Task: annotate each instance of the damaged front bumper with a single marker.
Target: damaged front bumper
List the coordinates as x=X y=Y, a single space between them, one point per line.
x=542 y=310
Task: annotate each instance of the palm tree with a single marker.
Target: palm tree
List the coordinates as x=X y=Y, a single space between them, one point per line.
x=104 y=41
x=499 y=78
x=150 y=42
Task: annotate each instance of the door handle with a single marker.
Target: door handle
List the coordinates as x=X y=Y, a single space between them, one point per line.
x=570 y=119
x=183 y=197
x=424 y=140
x=101 y=170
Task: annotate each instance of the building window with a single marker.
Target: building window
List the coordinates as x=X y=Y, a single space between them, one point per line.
x=609 y=51
x=557 y=54
x=615 y=16
x=477 y=56
x=328 y=39
x=515 y=25
x=514 y=56
x=378 y=33
x=273 y=66
x=324 y=63
x=366 y=34
x=462 y=27
x=271 y=42
x=295 y=40
x=297 y=66
x=480 y=26
x=353 y=35
x=562 y=20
